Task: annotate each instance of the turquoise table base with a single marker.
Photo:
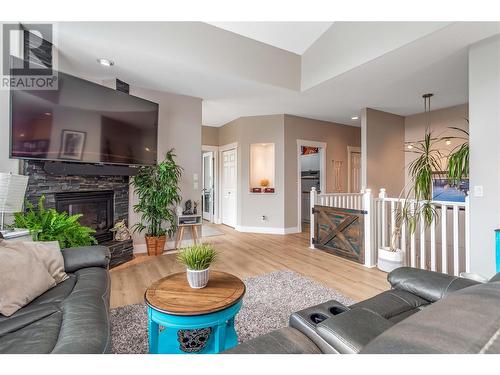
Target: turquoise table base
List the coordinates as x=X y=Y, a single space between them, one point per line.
x=202 y=334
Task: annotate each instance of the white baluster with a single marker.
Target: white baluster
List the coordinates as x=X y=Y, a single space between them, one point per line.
x=467 y=235
x=403 y=237
x=413 y=245
x=433 y=245
x=422 y=240
x=393 y=221
x=383 y=218
x=444 y=244
x=370 y=253
x=456 y=256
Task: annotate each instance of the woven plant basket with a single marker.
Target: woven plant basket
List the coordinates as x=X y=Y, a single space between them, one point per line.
x=155 y=245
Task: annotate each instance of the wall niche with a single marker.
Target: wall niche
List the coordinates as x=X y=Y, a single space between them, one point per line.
x=262 y=168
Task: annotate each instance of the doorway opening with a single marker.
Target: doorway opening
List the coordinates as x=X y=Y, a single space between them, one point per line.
x=311 y=172
x=210 y=183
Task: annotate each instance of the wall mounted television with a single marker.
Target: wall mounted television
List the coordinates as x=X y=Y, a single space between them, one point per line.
x=83 y=122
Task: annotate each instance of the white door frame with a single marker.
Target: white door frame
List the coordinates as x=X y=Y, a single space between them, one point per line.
x=215 y=151
x=227 y=147
x=322 y=173
x=351 y=149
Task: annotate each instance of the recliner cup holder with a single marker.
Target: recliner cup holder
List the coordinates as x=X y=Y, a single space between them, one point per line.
x=336 y=310
x=317 y=318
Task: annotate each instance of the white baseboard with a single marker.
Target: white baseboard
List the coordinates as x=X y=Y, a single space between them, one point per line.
x=267 y=230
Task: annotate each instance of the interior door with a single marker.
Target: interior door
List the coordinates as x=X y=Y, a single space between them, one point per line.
x=355 y=172
x=229 y=187
x=208 y=185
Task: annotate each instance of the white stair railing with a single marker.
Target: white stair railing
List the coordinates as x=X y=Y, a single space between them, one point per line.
x=442 y=246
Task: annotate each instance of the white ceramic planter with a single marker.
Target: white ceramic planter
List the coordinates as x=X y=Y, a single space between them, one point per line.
x=198 y=279
x=390 y=260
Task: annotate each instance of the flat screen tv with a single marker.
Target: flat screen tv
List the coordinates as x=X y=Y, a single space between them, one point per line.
x=83 y=122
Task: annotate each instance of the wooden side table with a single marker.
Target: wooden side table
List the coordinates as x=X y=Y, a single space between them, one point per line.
x=186 y=320
x=192 y=222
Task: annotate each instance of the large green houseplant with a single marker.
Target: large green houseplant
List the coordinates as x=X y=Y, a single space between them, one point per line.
x=416 y=198
x=158 y=194
x=49 y=225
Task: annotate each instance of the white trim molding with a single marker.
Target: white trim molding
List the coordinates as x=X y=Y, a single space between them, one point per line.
x=351 y=149
x=215 y=150
x=267 y=230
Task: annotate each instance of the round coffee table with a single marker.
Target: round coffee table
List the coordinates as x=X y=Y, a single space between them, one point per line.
x=186 y=320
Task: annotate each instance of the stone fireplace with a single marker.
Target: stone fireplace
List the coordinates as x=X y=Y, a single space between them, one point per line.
x=102 y=200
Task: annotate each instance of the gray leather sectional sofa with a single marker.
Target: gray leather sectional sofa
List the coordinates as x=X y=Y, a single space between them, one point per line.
x=72 y=317
x=424 y=312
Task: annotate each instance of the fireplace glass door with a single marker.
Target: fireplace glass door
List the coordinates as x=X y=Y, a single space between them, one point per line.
x=95 y=207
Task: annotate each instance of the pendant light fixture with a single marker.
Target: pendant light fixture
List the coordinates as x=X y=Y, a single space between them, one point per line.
x=427 y=111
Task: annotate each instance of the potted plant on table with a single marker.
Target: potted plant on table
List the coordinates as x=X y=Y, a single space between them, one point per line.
x=158 y=194
x=197 y=260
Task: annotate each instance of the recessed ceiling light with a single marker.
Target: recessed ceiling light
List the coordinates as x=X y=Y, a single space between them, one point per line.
x=448 y=142
x=354 y=117
x=410 y=146
x=105 y=62
x=48 y=114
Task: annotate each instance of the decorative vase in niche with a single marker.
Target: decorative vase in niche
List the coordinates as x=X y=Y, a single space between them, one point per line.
x=198 y=279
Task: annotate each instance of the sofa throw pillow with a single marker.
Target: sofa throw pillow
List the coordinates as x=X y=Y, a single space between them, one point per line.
x=49 y=253
x=23 y=277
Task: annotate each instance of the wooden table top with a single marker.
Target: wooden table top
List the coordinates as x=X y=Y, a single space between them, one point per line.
x=173 y=295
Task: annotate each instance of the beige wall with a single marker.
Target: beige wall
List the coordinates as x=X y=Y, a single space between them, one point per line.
x=261 y=129
x=283 y=130
x=441 y=121
x=337 y=137
x=209 y=136
x=229 y=133
x=382 y=156
x=179 y=127
x=251 y=207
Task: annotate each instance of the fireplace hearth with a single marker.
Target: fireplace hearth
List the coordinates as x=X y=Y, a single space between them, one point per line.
x=96 y=208
x=102 y=200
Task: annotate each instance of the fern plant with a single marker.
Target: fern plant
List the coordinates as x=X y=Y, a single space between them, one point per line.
x=50 y=225
x=197 y=257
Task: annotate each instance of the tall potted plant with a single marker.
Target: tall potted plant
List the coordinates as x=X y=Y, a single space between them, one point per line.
x=415 y=198
x=158 y=194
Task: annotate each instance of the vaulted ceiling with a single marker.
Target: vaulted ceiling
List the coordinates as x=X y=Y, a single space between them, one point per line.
x=323 y=70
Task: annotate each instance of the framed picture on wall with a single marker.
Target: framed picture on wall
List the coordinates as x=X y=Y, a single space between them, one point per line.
x=443 y=190
x=72 y=144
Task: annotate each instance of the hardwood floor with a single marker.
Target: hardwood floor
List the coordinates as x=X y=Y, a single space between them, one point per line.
x=249 y=254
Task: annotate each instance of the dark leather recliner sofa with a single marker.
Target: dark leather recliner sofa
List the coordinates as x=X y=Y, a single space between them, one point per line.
x=72 y=317
x=424 y=312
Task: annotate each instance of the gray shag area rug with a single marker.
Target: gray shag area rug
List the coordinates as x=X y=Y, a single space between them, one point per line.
x=267 y=305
